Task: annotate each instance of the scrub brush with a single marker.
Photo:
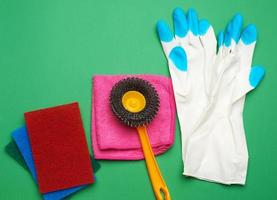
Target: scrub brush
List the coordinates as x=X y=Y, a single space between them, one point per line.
x=136 y=102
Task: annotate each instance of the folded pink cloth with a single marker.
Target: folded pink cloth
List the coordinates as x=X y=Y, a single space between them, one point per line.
x=112 y=139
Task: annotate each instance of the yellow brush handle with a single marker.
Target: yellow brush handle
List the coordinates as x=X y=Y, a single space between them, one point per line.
x=157 y=181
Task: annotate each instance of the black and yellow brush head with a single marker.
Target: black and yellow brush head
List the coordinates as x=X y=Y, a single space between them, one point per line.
x=134 y=101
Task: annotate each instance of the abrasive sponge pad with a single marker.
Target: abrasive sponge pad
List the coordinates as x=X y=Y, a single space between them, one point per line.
x=59 y=147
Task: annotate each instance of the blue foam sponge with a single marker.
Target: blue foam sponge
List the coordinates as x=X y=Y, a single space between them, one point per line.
x=21 y=139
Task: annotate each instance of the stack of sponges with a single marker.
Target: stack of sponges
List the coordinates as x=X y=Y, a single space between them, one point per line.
x=53 y=147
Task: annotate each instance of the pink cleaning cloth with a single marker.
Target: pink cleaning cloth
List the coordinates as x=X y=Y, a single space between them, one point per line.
x=111 y=139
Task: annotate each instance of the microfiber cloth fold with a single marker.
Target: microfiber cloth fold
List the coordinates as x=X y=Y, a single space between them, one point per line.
x=20 y=136
x=111 y=139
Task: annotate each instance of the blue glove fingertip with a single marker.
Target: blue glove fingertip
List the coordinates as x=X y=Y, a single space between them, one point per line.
x=179 y=57
x=256 y=75
x=228 y=36
x=249 y=34
x=164 y=32
x=236 y=27
x=180 y=22
x=203 y=26
x=193 y=21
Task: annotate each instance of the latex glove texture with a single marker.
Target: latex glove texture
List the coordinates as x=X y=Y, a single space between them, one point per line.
x=210 y=89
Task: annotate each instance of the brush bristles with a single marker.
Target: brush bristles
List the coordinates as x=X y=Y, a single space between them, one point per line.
x=150 y=94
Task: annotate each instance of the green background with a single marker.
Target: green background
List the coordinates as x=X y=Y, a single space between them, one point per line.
x=49 y=51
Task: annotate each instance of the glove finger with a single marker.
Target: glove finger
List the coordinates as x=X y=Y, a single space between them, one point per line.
x=249 y=35
x=246 y=45
x=208 y=41
x=177 y=62
x=192 y=19
x=178 y=57
x=233 y=31
x=193 y=25
x=164 y=32
x=207 y=37
x=203 y=26
x=256 y=75
x=180 y=23
x=236 y=27
x=165 y=36
x=247 y=80
x=227 y=36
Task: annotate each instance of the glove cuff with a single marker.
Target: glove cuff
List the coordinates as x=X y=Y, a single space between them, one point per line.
x=236 y=174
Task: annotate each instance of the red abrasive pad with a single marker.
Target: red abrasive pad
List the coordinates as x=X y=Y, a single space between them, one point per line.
x=59 y=147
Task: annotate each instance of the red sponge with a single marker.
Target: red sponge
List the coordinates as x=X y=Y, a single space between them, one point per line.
x=59 y=147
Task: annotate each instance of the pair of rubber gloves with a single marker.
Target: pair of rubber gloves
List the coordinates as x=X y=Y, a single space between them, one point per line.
x=211 y=78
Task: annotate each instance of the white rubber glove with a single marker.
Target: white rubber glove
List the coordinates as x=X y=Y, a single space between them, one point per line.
x=217 y=149
x=214 y=146
x=186 y=58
